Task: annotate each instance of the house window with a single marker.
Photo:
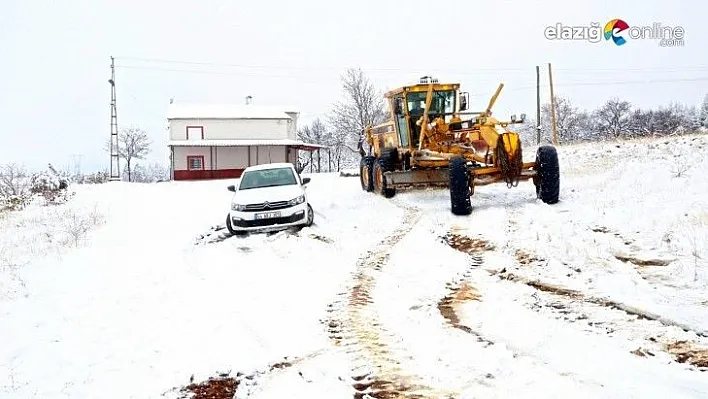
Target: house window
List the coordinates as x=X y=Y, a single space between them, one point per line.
x=195 y=162
x=195 y=132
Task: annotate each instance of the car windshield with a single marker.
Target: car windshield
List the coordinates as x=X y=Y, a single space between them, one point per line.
x=267 y=178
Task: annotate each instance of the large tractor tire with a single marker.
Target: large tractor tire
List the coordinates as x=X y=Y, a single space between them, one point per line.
x=460 y=190
x=547 y=180
x=389 y=158
x=380 y=180
x=366 y=173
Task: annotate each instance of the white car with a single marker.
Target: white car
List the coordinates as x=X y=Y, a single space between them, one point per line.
x=269 y=197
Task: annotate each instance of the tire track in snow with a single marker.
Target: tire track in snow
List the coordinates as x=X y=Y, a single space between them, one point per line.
x=572 y=305
x=356 y=327
x=461 y=291
x=607 y=317
x=526 y=258
x=601 y=316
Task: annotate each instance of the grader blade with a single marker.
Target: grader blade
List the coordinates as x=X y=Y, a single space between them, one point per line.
x=417 y=177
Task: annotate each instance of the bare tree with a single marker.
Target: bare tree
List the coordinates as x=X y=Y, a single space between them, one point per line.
x=692 y=118
x=669 y=120
x=612 y=119
x=664 y=121
x=133 y=143
x=316 y=133
x=363 y=105
x=703 y=113
x=641 y=123
x=14 y=181
x=338 y=147
x=572 y=123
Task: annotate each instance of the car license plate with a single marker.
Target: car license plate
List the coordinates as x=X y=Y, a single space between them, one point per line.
x=267 y=215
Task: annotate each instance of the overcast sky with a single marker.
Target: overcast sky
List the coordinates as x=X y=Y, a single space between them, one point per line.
x=55 y=57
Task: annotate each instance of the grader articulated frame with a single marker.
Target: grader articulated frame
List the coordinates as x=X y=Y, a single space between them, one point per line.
x=428 y=143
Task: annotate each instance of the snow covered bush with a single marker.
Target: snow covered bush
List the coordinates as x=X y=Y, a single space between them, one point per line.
x=95 y=178
x=75 y=225
x=14 y=202
x=19 y=188
x=52 y=186
x=15 y=188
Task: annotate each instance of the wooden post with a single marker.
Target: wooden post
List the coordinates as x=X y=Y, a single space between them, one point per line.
x=553 y=107
x=538 y=105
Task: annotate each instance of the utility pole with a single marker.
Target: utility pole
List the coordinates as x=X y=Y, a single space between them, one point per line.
x=77 y=164
x=553 y=107
x=538 y=105
x=115 y=156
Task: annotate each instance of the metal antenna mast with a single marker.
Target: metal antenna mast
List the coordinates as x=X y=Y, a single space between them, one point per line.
x=115 y=157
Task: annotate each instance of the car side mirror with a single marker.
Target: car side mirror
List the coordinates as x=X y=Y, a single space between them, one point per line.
x=305 y=180
x=231 y=188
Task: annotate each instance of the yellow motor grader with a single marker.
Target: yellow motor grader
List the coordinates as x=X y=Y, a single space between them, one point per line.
x=432 y=140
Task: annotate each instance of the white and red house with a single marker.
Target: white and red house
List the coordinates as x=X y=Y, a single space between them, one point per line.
x=220 y=141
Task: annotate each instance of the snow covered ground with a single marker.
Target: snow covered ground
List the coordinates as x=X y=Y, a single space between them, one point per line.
x=128 y=291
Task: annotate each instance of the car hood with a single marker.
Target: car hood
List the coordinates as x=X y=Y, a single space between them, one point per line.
x=270 y=194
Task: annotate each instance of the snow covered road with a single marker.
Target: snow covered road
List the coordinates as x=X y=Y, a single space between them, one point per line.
x=599 y=296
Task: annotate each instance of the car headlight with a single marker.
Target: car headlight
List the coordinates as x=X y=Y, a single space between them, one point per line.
x=297 y=201
x=237 y=207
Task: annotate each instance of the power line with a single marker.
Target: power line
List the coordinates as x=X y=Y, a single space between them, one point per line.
x=465 y=71
x=620 y=82
x=209 y=72
x=293 y=67
x=595 y=83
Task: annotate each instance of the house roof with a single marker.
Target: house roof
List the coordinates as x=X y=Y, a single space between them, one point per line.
x=227 y=111
x=244 y=143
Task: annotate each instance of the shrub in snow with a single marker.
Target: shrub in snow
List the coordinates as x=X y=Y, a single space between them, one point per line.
x=52 y=186
x=75 y=225
x=95 y=178
x=15 y=186
x=15 y=202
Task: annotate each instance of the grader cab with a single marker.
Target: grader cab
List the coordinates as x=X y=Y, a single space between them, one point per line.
x=433 y=140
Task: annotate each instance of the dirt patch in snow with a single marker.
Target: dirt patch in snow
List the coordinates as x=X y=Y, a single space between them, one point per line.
x=687 y=352
x=222 y=387
x=446 y=306
x=635 y=260
x=381 y=389
x=543 y=286
x=525 y=258
x=642 y=352
x=318 y=237
x=606 y=230
x=468 y=245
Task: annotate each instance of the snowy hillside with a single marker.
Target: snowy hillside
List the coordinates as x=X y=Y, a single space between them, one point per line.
x=134 y=291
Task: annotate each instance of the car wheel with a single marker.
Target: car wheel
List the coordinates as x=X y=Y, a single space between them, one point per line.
x=230 y=228
x=310 y=216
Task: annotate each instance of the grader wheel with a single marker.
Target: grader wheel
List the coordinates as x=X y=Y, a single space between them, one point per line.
x=366 y=169
x=547 y=180
x=460 y=190
x=380 y=180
